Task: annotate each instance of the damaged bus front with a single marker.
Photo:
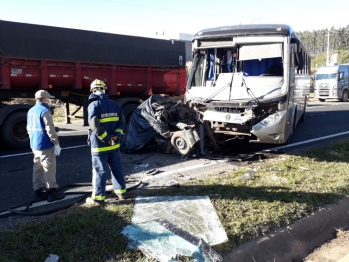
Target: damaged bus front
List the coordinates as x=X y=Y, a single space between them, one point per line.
x=249 y=81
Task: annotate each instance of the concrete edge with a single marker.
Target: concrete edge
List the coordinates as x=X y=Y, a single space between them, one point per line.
x=296 y=241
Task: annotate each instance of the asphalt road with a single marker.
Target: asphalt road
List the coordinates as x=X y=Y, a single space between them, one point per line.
x=74 y=163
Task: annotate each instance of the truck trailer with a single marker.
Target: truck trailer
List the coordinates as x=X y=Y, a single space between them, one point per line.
x=65 y=61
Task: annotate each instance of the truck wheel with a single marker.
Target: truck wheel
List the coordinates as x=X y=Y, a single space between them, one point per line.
x=128 y=111
x=345 y=96
x=14 y=130
x=303 y=115
x=322 y=100
x=180 y=143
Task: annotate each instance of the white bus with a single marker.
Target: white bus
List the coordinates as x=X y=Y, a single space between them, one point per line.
x=249 y=81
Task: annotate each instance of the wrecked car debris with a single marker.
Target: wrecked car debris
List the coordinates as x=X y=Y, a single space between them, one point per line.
x=165 y=120
x=163 y=241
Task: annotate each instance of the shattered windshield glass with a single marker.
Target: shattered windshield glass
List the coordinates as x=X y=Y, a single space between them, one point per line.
x=163 y=241
x=194 y=214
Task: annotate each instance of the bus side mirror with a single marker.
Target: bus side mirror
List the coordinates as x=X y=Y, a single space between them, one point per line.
x=341 y=76
x=299 y=60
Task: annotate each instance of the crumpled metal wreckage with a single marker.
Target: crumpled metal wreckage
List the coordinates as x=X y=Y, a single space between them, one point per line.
x=171 y=123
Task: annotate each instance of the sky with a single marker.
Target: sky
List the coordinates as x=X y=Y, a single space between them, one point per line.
x=169 y=18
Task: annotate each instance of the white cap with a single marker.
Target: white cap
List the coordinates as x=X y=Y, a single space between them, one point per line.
x=43 y=93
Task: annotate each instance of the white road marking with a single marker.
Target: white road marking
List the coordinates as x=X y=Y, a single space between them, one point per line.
x=306 y=142
x=182 y=170
x=28 y=153
x=65 y=132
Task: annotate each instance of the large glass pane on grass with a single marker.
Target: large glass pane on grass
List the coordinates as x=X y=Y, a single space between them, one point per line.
x=193 y=214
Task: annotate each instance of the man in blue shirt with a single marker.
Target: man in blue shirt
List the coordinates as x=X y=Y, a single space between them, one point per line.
x=106 y=119
x=45 y=146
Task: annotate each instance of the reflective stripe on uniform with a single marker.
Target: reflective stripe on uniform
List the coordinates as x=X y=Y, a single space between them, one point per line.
x=35 y=129
x=100 y=198
x=118 y=130
x=109 y=119
x=119 y=191
x=103 y=135
x=107 y=148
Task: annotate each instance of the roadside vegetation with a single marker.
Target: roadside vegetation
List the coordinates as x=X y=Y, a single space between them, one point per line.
x=281 y=190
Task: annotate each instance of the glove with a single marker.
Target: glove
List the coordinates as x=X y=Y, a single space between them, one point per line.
x=57 y=150
x=112 y=140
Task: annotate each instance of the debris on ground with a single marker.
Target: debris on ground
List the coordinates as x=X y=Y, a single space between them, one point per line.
x=163 y=241
x=167 y=227
x=194 y=214
x=303 y=168
x=249 y=175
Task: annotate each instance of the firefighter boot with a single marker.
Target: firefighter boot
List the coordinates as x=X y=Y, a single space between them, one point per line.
x=54 y=195
x=40 y=193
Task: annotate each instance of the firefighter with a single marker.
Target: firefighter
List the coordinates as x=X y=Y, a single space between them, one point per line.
x=106 y=119
x=45 y=146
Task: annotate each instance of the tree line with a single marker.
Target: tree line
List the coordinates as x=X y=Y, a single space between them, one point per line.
x=316 y=44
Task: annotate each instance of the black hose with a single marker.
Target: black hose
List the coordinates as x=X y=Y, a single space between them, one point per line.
x=12 y=210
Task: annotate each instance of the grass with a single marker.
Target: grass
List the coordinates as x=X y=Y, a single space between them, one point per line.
x=281 y=191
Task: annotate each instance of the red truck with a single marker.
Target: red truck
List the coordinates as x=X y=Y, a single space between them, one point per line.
x=65 y=61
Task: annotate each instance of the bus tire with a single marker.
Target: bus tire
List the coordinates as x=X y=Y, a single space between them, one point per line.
x=322 y=100
x=345 y=96
x=302 y=119
x=14 y=130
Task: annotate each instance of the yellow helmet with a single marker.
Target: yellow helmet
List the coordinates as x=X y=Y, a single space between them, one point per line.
x=98 y=85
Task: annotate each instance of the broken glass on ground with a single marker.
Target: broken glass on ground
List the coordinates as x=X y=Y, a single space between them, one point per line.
x=193 y=214
x=163 y=241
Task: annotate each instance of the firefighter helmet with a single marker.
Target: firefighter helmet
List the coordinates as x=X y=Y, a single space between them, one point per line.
x=98 y=85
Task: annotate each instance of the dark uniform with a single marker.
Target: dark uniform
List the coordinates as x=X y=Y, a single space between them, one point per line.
x=106 y=120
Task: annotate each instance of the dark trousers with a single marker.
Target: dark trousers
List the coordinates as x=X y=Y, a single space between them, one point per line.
x=100 y=164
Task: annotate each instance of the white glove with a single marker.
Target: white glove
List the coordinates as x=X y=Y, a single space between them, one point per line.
x=57 y=150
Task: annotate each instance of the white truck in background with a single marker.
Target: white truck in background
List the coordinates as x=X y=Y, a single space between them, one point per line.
x=332 y=82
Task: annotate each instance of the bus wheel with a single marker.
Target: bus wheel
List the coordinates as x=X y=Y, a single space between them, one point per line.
x=345 y=96
x=322 y=100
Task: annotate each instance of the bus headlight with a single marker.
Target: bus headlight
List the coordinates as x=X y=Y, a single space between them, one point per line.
x=274 y=118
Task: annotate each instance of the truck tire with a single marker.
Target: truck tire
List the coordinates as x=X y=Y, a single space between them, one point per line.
x=302 y=119
x=345 y=96
x=128 y=111
x=14 y=130
x=322 y=100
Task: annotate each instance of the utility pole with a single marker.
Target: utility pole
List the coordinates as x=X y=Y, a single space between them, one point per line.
x=328 y=47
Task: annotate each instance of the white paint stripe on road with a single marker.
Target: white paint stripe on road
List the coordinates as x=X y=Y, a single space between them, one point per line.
x=78 y=131
x=182 y=170
x=28 y=153
x=306 y=142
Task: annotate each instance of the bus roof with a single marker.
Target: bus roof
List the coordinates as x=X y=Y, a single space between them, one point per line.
x=251 y=29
